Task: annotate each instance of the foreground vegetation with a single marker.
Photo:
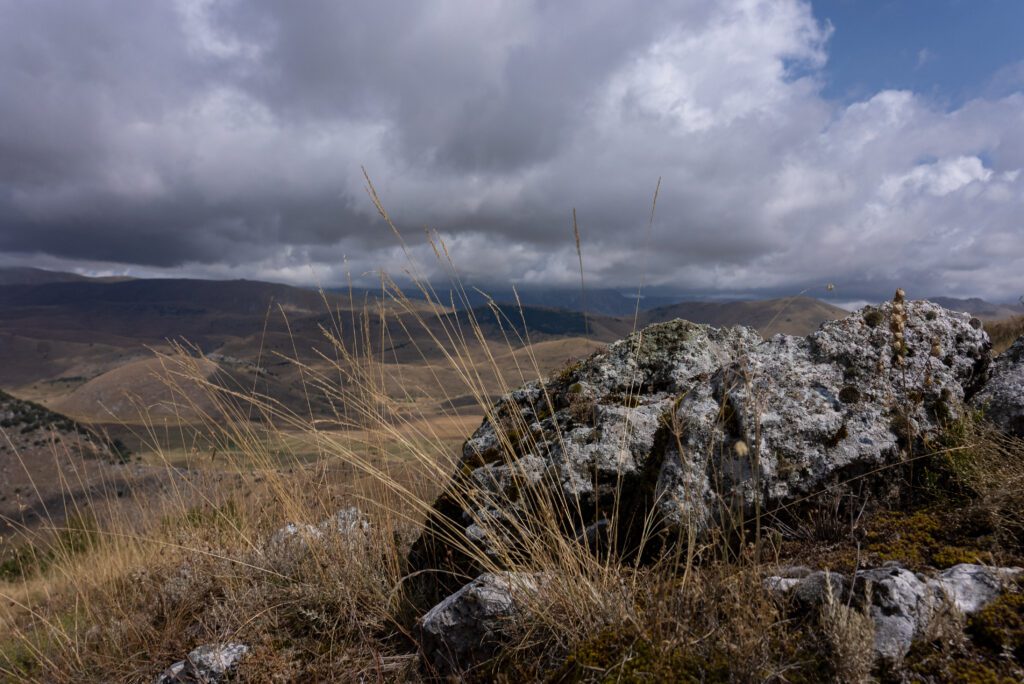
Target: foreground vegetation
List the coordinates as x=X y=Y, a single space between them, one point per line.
x=118 y=601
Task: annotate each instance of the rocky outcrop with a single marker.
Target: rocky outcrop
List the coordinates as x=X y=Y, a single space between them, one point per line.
x=682 y=425
x=901 y=603
x=468 y=627
x=1003 y=396
x=208 y=664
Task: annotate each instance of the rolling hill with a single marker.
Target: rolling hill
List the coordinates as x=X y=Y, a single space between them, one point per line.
x=792 y=315
x=984 y=310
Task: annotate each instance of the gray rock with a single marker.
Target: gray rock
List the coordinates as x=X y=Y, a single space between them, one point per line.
x=786 y=578
x=208 y=664
x=685 y=425
x=972 y=587
x=817 y=587
x=1003 y=396
x=539 y=444
x=468 y=627
x=290 y=544
x=901 y=603
x=809 y=589
x=346 y=521
x=794 y=414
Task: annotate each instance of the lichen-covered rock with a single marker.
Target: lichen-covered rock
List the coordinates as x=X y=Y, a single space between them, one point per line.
x=972 y=587
x=683 y=426
x=794 y=414
x=468 y=627
x=1003 y=396
x=901 y=603
x=208 y=664
x=586 y=441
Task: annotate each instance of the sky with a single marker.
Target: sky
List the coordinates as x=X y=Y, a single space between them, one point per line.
x=863 y=144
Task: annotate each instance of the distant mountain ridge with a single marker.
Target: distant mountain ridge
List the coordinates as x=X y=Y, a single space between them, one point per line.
x=790 y=315
x=65 y=329
x=602 y=301
x=980 y=307
x=25 y=275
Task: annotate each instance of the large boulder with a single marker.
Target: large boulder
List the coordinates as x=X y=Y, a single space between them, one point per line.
x=1003 y=396
x=793 y=415
x=682 y=425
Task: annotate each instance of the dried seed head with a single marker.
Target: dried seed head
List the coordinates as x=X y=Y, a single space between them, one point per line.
x=900 y=295
x=741 y=448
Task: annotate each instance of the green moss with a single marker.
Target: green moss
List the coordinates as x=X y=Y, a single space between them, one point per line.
x=999 y=627
x=621 y=656
x=873 y=317
x=937 y=663
x=918 y=538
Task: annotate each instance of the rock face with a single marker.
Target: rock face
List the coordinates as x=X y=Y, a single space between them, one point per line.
x=1003 y=396
x=681 y=426
x=901 y=603
x=469 y=626
x=205 y=665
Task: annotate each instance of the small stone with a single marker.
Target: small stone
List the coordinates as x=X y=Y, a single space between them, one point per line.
x=469 y=627
x=210 y=664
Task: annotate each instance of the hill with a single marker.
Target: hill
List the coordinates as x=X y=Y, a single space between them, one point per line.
x=980 y=308
x=137 y=391
x=43 y=454
x=792 y=315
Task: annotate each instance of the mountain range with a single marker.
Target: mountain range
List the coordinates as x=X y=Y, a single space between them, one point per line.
x=79 y=344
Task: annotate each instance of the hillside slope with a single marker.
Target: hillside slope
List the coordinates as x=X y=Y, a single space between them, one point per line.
x=791 y=315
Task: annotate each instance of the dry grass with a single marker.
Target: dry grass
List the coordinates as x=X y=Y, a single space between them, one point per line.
x=1004 y=332
x=850 y=635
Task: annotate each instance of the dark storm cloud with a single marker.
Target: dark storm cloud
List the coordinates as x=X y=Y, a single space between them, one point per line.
x=227 y=138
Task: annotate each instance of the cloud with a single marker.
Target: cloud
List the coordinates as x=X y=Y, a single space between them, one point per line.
x=228 y=139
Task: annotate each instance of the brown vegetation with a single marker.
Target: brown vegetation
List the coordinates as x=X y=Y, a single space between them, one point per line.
x=1004 y=332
